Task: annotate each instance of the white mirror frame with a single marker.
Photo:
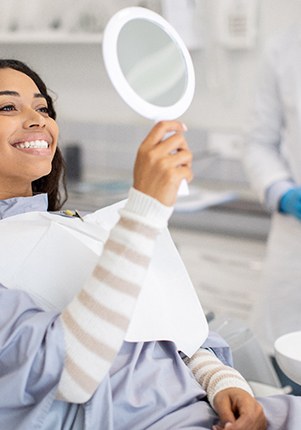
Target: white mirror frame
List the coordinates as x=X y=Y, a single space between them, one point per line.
x=110 y=55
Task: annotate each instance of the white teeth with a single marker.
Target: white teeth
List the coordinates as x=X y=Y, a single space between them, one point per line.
x=32 y=144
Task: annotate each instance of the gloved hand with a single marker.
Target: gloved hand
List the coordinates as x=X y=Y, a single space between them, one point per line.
x=290 y=203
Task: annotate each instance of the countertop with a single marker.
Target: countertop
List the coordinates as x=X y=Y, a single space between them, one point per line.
x=241 y=216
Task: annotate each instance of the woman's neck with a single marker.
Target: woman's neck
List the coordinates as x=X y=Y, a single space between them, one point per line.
x=11 y=192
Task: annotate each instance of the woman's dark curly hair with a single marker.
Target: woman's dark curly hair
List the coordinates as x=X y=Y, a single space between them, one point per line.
x=54 y=183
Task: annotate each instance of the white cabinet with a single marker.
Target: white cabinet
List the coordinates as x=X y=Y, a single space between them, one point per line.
x=225 y=270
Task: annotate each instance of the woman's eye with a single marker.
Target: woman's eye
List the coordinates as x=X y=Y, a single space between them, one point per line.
x=44 y=109
x=7 y=108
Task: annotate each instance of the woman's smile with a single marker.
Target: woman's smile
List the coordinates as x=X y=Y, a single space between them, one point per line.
x=34 y=144
x=38 y=148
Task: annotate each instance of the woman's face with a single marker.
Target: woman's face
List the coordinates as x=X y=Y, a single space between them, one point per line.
x=28 y=136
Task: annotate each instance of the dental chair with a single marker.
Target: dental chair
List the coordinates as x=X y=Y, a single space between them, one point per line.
x=248 y=356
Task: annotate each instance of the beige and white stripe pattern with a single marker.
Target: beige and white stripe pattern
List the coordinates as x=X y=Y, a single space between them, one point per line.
x=213 y=375
x=96 y=321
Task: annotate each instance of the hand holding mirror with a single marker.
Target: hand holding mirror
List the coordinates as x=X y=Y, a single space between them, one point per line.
x=149 y=65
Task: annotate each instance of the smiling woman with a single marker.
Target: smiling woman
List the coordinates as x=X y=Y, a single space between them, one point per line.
x=71 y=367
x=27 y=125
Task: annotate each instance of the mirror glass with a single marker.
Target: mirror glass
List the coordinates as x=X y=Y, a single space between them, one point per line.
x=151 y=62
x=148 y=63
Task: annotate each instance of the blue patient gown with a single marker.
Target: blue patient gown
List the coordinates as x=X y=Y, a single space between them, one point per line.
x=148 y=386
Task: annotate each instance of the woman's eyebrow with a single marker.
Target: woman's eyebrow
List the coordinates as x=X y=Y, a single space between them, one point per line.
x=15 y=93
x=9 y=93
x=39 y=95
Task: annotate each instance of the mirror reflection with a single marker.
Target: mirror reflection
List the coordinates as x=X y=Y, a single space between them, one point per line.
x=151 y=62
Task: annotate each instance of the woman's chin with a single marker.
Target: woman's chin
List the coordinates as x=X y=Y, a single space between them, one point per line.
x=40 y=173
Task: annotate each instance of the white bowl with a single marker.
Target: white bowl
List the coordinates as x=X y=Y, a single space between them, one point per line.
x=288 y=355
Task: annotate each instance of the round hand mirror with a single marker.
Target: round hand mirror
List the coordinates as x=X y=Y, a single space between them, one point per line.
x=148 y=64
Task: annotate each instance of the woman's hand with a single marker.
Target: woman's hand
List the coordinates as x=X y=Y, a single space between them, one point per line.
x=161 y=165
x=238 y=410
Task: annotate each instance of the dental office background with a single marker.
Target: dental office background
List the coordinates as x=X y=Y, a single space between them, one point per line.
x=223 y=245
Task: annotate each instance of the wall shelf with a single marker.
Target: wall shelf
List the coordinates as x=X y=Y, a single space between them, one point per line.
x=36 y=38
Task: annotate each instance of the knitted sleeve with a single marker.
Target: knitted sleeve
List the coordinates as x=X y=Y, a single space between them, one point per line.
x=96 y=320
x=213 y=375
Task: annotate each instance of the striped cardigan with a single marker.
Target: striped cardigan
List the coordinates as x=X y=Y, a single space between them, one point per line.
x=96 y=321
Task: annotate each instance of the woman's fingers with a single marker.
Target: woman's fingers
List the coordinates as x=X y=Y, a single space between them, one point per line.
x=162 y=164
x=181 y=157
x=161 y=129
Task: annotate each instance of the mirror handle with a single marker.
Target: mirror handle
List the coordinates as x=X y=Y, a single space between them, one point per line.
x=183 y=188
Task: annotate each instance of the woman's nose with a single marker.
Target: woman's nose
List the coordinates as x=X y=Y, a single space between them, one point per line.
x=34 y=119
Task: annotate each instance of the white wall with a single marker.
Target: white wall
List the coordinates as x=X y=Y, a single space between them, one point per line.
x=225 y=102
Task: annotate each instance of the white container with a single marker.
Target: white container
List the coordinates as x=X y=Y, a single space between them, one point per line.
x=288 y=355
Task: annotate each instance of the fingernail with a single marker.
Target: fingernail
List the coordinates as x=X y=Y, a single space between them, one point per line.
x=184 y=126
